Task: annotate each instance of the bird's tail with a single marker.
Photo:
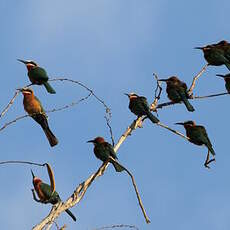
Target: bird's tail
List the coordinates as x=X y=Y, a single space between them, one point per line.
x=188 y=105
x=152 y=117
x=211 y=149
x=49 y=88
x=71 y=214
x=118 y=167
x=42 y=120
x=50 y=136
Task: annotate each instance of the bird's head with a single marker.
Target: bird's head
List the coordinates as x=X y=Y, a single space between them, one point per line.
x=29 y=64
x=132 y=95
x=97 y=140
x=36 y=180
x=186 y=123
x=170 y=79
x=26 y=91
x=222 y=43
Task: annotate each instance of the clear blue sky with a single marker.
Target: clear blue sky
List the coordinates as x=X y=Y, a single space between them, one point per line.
x=114 y=46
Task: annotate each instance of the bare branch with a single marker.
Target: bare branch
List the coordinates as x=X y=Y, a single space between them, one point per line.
x=158 y=91
x=136 y=190
x=21 y=162
x=160 y=106
x=110 y=130
x=107 y=109
x=9 y=104
x=117 y=226
x=190 y=91
x=48 y=111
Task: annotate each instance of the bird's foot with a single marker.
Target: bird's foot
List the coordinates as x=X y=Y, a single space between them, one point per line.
x=206 y=164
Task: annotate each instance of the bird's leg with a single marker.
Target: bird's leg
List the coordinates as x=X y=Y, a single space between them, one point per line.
x=34 y=196
x=207 y=161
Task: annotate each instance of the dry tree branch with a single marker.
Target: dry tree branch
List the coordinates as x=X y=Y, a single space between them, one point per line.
x=11 y=102
x=160 y=106
x=190 y=91
x=117 y=226
x=107 y=109
x=82 y=188
x=48 y=111
x=110 y=129
x=21 y=162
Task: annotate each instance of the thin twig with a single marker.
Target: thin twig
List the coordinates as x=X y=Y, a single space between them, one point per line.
x=160 y=106
x=11 y=102
x=107 y=109
x=48 y=111
x=21 y=162
x=190 y=91
x=117 y=226
x=110 y=130
x=136 y=190
x=158 y=91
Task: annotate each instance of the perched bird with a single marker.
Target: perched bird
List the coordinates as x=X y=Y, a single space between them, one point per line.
x=104 y=151
x=38 y=75
x=177 y=91
x=217 y=54
x=227 y=81
x=34 y=108
x=139 y=106
x=46 y=195
x=197 y=135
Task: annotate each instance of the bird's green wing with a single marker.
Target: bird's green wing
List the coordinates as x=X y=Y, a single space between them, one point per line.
x=109 y=148
x=38 y=74
x=46 y=190
x=42 y=109
x=205 y=139
x=143 y=103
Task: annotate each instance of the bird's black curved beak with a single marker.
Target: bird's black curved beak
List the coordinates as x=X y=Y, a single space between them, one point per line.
x=25 y=62
x=163 y=80
x=179 y=123
x=32 y=174
x=126 y=94
x=90 y=141
x=199 y=48
x=220 y=75
x=20 y=89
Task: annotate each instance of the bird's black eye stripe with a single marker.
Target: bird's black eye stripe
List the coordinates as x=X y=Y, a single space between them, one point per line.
x=33 y=63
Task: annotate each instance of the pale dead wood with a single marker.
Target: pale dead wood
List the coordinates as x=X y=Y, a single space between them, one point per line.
x=190 y=91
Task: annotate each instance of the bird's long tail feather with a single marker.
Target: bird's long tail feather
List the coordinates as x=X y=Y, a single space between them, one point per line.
x=71 y=214
x=49 y=88
x=152 y=117
x=42 y=120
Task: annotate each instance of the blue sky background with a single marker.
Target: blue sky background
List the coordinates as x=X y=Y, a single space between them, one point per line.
x=114 y=46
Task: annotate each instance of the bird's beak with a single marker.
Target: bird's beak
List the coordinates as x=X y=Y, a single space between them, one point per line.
x=163 y=80
x=220 y=75
x=32 y=174
x=25 y=62
x=199 y=48
x=179 y=123
x=20 y=89
x=90 y=141
x=126 y=94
